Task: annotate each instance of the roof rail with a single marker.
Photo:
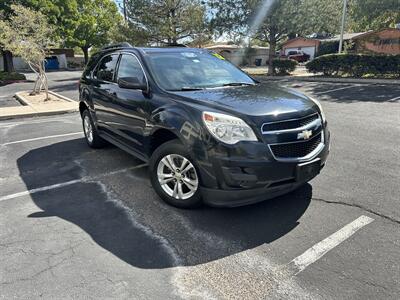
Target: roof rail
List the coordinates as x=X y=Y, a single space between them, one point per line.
x=120 y=45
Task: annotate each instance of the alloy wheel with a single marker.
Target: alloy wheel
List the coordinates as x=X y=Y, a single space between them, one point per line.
x=177 y=176
x=87 y=126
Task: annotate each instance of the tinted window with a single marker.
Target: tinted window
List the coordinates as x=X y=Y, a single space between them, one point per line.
x=91 y=65
x=181 y=70
x=129 y=66
x=106 y=68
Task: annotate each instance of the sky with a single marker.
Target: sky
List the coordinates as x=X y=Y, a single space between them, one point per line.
x=119 y=2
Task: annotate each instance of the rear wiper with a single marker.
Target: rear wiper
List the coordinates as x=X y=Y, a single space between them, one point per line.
x=237 y=83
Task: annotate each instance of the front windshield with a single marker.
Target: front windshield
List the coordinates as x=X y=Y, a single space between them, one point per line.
x=177 y=71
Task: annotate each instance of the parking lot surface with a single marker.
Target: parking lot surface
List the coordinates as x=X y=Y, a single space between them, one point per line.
x=62 y=82
x=86 y=224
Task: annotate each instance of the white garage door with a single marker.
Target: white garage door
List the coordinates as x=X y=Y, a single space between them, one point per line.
x=308 y=50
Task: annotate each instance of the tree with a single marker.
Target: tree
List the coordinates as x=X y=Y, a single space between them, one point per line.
x=126 y=32
x=373 y=15
x=28 y=35
x=273 y=21
x=96 y=19
x=5 y=11
x=60 y=13
x=167 y=21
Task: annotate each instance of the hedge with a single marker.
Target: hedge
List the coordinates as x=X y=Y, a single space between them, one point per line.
x=284 y=66
x=327 y=48
x=11 y=76
x=356 y=65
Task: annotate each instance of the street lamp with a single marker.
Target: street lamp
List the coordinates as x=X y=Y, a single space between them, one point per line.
x=343 y=23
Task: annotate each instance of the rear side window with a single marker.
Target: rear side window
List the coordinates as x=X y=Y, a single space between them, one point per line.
x=106 y=69
x=129 y=66
x=90 y=66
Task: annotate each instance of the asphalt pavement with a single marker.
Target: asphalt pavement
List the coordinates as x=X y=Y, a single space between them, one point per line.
x=62 y=82
x=85 y=224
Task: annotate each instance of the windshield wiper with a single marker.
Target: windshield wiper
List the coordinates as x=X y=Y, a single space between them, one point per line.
x=237 y=84
x=187 y=88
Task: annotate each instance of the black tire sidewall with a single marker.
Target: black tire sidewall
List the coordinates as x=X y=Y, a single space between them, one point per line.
x=173 y=147
x=97 y=141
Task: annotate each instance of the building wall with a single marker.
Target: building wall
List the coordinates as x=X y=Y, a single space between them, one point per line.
x=239 y=56
x=300 y=42
x=309 y=46
x=20 y=65
x=382 y=42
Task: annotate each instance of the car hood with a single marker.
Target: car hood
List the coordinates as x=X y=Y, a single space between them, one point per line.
x=261 y=100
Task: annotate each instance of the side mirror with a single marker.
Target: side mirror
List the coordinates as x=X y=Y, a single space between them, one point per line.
x=132 y=83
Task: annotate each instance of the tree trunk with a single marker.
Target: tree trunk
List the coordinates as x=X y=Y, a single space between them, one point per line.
x=271 y=55
x=8 y=62
x=85 y=53
x=45 y=82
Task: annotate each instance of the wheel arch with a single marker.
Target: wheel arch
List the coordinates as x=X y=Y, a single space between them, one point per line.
x=82 y=107
x=173 y=122
x=161 y=136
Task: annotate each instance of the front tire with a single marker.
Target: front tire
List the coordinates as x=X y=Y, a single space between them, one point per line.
x=91 y=135
x=174 y=175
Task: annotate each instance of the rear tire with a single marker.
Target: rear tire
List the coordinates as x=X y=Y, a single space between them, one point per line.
x=174 y=175
x=92 y=136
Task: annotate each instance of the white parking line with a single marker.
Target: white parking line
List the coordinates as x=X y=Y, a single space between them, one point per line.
x=320 y=249
x=394 y=99
x=43 y=138
x=66 y=183
x=338 y=89
x=50 y=119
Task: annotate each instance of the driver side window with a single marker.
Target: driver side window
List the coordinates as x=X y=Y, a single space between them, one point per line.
x=106 y=68
x=129 y=66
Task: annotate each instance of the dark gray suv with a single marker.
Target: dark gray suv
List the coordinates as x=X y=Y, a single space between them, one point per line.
x=210 y=132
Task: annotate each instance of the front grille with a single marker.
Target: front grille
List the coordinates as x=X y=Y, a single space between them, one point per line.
x=289 y=124
x=296 y=149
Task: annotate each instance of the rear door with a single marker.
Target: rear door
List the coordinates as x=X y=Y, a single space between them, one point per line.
x=130 y=106
x=104 y=88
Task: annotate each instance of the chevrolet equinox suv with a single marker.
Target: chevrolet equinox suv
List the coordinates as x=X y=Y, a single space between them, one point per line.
x=209 y=132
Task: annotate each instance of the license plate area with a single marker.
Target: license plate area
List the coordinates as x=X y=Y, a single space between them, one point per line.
x=308 y=170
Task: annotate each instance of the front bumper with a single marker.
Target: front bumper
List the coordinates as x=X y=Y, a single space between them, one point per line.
x=249 y=173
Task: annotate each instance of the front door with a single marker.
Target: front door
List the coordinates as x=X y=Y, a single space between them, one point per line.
x=104 y=90
x=130 y=105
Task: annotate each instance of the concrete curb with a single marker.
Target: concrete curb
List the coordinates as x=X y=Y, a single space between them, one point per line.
x=61 y=96
x=32 y=110
x=334 y=80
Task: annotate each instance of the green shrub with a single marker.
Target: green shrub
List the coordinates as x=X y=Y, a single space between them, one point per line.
x=11 y=76
x=327 y=47
x=356 y=65
x=284 y=66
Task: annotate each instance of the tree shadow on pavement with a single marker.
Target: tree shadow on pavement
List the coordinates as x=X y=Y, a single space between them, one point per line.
x=141 y=230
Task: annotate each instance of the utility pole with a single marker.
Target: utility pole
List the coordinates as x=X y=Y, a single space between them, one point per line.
x=342 y=27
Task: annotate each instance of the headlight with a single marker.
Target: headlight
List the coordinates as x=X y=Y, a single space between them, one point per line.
x=228 y=129
x=320 y=109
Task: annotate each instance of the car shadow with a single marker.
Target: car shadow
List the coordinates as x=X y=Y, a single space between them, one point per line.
x=138 y=234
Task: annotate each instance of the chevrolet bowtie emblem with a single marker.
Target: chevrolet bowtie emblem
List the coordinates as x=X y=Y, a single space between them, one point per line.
x=304 y=135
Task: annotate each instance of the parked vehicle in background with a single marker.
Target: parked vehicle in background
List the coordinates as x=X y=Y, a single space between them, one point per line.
x=297 y=55
x=209 y=132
